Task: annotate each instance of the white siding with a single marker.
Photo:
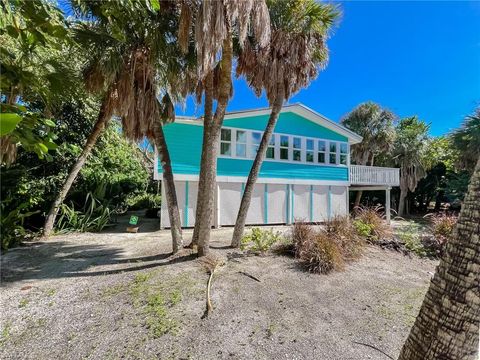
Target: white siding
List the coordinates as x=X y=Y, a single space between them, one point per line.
x=320 y=206
x=230 y=196
x=255 y=214
x=339 y=200
x=192 y=202
x=301 y=203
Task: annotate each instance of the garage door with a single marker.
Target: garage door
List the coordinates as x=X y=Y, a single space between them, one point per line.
x=301 y=202
x=256 y=211
x=339 y=200
x=277 y=204
x=230 y=196
x=320 y=203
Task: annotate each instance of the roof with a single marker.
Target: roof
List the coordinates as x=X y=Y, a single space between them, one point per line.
x=297 y=108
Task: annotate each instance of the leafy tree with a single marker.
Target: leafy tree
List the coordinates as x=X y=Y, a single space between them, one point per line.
x=447 y=325
x=467 y=141
x=409 y=154
x=297 y=51
x=377 y=127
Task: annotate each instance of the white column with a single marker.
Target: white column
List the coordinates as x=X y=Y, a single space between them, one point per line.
x=387 y=204
x=216 y=218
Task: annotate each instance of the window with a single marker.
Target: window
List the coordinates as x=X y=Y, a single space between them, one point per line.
x=241 y=147
x=256 y=138
x=322 y=148
x=343 y=153
x=226 y=142
x=309 y=153
x=297 y=149
x=284 y=147
x=333 y=153
x=271 y=148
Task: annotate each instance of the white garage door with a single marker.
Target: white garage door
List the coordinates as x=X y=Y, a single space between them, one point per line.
x=191 y=203
x=180 y=189
x=256 y=211
x=320 y=203
x=301 y=203
x=230 y=196
x=277 y=204
x=339 y=200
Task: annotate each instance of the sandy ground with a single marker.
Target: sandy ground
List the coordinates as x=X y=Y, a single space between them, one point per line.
x=116 y=295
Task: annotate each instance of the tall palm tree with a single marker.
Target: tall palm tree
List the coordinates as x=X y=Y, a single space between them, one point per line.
x=127 y=48
x=408 y=153
x=467 y=140
x=447 y=326
x=376 y=126
x=296 y=53
x=215 y=24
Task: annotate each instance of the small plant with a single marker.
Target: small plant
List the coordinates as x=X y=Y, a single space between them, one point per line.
x=410 y=236
x=93 y=217
x=260 y=241
x=370 y=223
x=320 y=254
x=23 y=303
x=442 y=226
x=144 y=201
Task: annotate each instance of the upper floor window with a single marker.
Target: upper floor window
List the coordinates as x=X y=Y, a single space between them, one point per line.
x=256 y=138
x=226 y=142
x=309 y=153
x=322 y=149
x=332 y=158
x=284 y=141
x=344 y=153
x=241 y=143
x=297 y=149
x=271 y=148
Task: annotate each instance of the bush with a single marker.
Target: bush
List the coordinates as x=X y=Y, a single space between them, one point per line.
x=260 y=241
x=325 y=249
x=410 y=237
x=144 y=201
x=442 y=226
x=370 y=223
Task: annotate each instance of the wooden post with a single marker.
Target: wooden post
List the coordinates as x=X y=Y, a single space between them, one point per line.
x=387 y=204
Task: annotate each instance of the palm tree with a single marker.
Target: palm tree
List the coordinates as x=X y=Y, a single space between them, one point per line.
x=447 y=326
x=408 y=152
x=296 y=53
x=125 y=59
x=376 y=126
x=215 y=23
x=467 y=141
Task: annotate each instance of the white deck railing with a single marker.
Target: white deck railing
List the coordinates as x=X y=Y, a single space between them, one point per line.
x=374 y=175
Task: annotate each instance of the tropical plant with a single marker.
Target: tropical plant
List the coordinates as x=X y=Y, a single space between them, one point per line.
x=260 y=241
x=467 y=141
x=215 y=23
x=376 y=125
x=370 y=223
x=11 y=224
x=448 y=323
x=409 y=154
x=294 y=57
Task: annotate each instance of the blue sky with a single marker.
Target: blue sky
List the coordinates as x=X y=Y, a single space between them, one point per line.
x=415 y=58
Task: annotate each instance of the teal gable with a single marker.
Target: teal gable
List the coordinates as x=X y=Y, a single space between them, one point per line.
x=184 y=140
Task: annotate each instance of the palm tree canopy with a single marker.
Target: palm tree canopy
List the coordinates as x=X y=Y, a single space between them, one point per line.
x=467 y=141
x=297 y=48
x=376 y=126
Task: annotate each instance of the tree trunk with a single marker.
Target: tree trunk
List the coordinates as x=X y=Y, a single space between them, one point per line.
x=208 y=118
x=254 y=171
x=208 y=167
x=447 y=326
x=401 y=203
x=358 y=197
x=102 y=120
x=169 y=183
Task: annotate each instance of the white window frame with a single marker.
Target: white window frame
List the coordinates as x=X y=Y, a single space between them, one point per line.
x=251 y=155
x=226 y=142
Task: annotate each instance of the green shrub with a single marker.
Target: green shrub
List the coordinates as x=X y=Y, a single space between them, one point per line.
x=370 y=223
x=11 y=225
x=410 y=236
x=260 y=241
x=93 y=217
x=144 y=201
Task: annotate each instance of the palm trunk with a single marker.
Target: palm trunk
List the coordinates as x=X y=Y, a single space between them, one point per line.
x=102 y=120
x=208 y=118
x=447 y=326
x=358 y=198
x=169 y=183
x=402 y=201
x=208 y=166
x=255 y=170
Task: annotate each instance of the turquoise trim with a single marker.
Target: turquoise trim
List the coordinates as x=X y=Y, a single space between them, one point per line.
x=185 y=214
x=311 y=203
x=265 y=202
x=292 y=213
x=287 y=207
x=329 y=203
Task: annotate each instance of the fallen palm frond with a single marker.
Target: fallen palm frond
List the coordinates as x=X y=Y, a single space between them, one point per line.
x=211 y=263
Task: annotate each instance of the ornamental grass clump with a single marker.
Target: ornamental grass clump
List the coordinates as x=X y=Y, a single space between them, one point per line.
x=324 y=249
x=370 y=223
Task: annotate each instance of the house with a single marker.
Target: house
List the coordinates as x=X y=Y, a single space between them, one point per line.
x=306 y=175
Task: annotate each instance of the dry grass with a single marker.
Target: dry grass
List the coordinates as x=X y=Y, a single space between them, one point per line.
x=370 y=223
x=442 y=226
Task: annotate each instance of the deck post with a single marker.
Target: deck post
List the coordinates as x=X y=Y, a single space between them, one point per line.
x=387 y=204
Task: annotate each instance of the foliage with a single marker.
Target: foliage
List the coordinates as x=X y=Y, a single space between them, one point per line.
x=11 y=224
x=143 y=201
x=410 y=236
x=442 y=226
x=370 y=223
x=376 y=126
x=94 y=216
x=260 y=241
x=325 y=249
x=467 y=141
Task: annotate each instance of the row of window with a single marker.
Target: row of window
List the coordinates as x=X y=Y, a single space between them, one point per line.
x=244 y=144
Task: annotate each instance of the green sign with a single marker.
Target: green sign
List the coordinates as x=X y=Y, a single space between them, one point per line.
x=133 y=220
